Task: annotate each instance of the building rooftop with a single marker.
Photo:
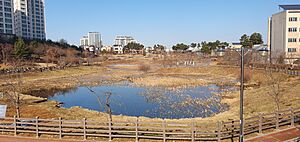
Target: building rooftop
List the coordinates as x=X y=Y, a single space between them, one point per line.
x=290 y=7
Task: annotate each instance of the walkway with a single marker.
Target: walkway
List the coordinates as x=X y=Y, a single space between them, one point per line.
x=290 y=135
x=22 y=139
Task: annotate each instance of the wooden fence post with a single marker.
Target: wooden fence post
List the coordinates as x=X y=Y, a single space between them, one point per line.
x=292 y=117
x=136 y=129
x=37 y=126
x=260 y=123
x=84 y=128
x=164 y=130
x=219 y=125
x=60 y=127
x=109 y=129
x=15 y=125
x=277 y=120
x=193 y=131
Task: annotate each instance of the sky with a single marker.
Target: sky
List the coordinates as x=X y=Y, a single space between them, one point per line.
x=166 y=22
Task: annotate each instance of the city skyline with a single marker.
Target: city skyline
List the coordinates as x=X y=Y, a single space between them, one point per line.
x=164 y=22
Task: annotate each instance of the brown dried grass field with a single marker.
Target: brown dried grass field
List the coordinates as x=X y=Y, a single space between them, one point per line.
x=257 y=99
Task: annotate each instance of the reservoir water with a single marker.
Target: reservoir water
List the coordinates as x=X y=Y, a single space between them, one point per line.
x=130 y=100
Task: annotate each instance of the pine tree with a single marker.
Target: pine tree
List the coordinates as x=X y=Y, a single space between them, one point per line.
x=20 y=50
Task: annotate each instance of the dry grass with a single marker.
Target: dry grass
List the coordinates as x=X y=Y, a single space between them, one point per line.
x=144 y=67
x=256 y=98
x=168 y=81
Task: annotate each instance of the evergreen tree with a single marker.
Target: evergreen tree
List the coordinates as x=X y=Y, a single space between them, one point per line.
x=246 y=42
x=256 y=38
x=20 y=50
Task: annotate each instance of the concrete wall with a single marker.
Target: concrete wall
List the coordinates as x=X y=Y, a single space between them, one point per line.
x=278 y=34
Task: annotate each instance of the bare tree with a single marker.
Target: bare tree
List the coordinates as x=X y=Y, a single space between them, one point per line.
x=6 y=53
x=107 y=105
x=107 y=100
x=275 y=89
x=12 y=91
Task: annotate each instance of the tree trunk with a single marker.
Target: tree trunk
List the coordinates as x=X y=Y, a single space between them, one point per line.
x=107 y=105
x=17 y=106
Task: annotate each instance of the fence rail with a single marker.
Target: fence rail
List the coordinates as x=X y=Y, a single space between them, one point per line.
x=159 y=130
x=275 y=68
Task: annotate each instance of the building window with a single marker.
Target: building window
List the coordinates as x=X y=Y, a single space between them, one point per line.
x=292 y=40
x=292 y=50
x=292 y=29
x=293 y=19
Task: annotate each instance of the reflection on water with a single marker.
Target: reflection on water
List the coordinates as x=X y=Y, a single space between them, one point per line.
x=149 y=102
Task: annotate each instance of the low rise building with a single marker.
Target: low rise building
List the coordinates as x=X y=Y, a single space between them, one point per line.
x=284 y=34
x=106 y=48
x=121 y=42
x=117 y=49
x=235 y=45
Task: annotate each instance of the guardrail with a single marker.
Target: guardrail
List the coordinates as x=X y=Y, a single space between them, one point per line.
x=158 y=130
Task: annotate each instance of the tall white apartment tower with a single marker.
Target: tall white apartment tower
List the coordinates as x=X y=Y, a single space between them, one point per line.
x=94 y=39
x=29 y=18
x=284 y=34
x=6 y=17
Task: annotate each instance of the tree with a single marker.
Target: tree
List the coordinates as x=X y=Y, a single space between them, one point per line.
x=256 y=38
x=12 y=91
x=208 y=47
x=51 y=55
x=6 y=51
x=132 y=46
x=245 y=41
x=275 y=89
x=97 y=96
x=193 y=45
x=159 y=48
x=205 y=48
x=20 y=50
x=63 y=41
x=180 y=46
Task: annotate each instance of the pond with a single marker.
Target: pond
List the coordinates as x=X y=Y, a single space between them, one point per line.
x=127 y=99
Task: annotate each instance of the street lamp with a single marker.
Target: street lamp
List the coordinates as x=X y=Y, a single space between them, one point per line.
x=263 y=52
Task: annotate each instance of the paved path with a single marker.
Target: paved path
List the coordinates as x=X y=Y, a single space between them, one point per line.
x=22 y=139
x=281 y=136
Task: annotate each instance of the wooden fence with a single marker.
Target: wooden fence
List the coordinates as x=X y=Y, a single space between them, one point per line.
x=285 y=70
x=156 y=130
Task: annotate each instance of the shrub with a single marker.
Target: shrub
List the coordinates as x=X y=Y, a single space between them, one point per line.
x=144 y=68
x=247 y=76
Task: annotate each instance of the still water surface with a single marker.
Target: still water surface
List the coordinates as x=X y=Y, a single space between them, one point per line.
x=130 y=100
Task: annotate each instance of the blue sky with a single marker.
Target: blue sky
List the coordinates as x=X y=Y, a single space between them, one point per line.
x=164 y=22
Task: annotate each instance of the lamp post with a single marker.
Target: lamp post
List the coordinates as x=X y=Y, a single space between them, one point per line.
x=221 y=52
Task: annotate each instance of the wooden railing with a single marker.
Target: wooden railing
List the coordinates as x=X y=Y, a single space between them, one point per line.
x=158 y=130
x=282 y=69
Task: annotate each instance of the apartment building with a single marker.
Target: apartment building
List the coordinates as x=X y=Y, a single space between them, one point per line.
x=120 y=42
x=284 y=34
x=124 y=40
x=95 y=40
x=91 y=41
x=29 y=19
x=6 y=17
x=84 y=41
